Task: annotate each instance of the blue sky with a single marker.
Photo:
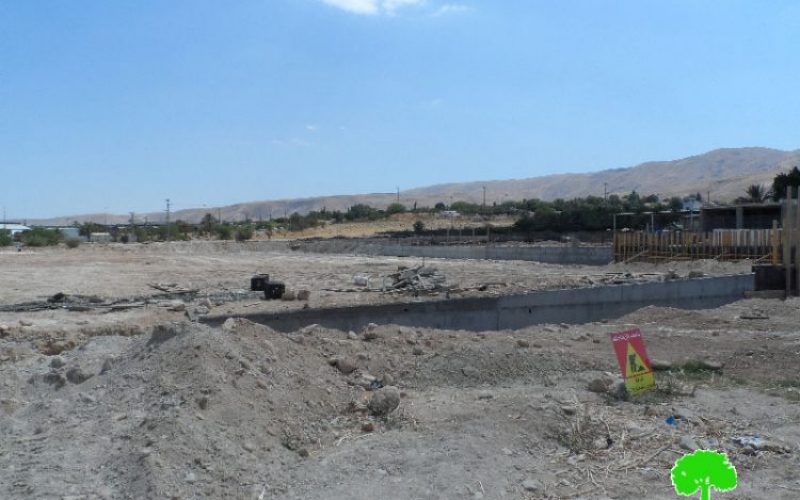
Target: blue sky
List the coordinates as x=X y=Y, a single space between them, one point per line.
x=116 y=105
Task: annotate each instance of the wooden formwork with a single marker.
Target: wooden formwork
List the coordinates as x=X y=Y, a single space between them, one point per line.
x=762 y=245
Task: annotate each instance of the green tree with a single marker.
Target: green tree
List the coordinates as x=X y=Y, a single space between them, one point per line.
x=756 y=193
x=245 y=232
x=41 y=237
x=5 y=238
x=395 y=208
x=419 y=227
x=224 y=232
x=783 y=181
x=703 y=470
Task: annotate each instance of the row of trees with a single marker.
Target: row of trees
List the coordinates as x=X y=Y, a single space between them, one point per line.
x=758 y=193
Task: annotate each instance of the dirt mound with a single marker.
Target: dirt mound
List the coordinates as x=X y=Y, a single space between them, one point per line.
x=183 y=412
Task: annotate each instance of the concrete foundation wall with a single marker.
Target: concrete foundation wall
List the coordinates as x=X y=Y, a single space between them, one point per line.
x=580 y=305
x=600 y=255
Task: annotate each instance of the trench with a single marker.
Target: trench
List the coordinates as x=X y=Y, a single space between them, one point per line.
x=571 y=306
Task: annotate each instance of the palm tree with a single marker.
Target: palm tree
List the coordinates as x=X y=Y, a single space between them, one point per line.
x=757 y=193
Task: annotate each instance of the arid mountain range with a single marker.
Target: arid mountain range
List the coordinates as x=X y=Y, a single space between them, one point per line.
x=724 y=173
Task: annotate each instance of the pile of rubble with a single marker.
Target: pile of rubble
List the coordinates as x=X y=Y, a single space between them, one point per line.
x=415 y=280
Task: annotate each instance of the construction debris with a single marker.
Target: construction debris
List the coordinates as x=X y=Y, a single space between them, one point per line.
x=417 y=279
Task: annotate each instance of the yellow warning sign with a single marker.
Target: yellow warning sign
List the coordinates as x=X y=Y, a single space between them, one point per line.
x=635 y=365
x=633 y=361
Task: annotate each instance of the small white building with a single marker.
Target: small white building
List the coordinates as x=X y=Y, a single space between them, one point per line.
x=14 y=228
x=100 y=238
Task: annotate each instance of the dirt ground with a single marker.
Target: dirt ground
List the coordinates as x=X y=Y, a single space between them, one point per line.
x=138 y=402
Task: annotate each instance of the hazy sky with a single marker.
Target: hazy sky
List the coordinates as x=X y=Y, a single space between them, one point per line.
x=115 y=105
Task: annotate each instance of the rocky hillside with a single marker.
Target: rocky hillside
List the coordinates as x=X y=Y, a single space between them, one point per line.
x=725 y=173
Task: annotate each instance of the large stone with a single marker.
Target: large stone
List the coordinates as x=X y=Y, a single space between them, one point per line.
x=77 y=376
x=660 y=365
x=176 y=305
x=532 y=485
x=384 y=401
x=346 y=365
x=599 y=385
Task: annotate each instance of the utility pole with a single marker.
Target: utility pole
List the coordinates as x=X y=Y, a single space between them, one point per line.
x=168 y=218
x=484 y=197
x=398 y=194
x=605 y=191
x=4 y=217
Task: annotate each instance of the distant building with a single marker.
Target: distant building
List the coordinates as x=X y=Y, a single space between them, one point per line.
x=14 y=228
x=70 y=232
x=100 y=238
x=745 y=216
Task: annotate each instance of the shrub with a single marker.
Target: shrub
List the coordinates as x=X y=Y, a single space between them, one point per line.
x=73 y=242
x=419 y=227
x=244 y=233
x=40 y=237
x=5 y=238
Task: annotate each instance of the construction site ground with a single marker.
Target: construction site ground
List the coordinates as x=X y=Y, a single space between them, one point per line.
x=108 y=390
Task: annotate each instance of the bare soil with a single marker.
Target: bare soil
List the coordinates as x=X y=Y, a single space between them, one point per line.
x=141 y=403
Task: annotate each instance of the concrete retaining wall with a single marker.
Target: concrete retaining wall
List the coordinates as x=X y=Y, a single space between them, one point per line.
x=581 y=305
x=600 y=255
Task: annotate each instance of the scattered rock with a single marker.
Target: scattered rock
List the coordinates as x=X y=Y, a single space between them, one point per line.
x=523 y=343
x=683 y=414
x=87 y=398
x=660 y=365
x=532 y=485
x=688 y=443
x=77 y=376
x=289 y=295
x=4 y=330
x=303 y=294
x=176 y=305
x=190 y=477
x=368 y=427
x=230 y=325
x=384 y=401
x=249 y=446
x=23 y=322
x=55 y=379
x=370 y=332
x=599 y=385
x=345 y=365
x=107 y=365
x=417 y=351
x=201 y=310
x=202 y=402
x=471 y=372
x=205 y=303
x=569 y=410
x=387 y=379
x=708 y=364
x=485 y=395
x=601 y=443
x=303 y=453
x=57 y=362
x=619 y=390
x=754 y=314
x=352 y=335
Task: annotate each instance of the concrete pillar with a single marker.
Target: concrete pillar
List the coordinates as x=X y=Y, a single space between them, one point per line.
x=739 y=217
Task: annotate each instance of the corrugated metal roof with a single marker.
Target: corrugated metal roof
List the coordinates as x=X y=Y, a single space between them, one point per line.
x=14 y=227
